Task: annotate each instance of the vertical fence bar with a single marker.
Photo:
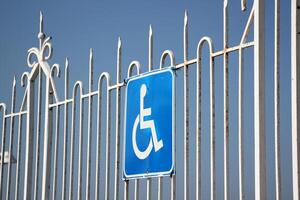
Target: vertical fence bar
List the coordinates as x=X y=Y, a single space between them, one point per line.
x=160 y=179
x=198 y=123
x=162 y=63
x=77 y=84
x=79 y=190
x=11 y=138
x=198 y=116
x=107 y=140
x=212 y=126
x=98 y=141
x=150 y=67
x=277 y=98
x=241 y=102
x=90 y=125
x=107 y=136
x=19 y=145
x=173 y=175
x=225 y=101
x=29 y=140
x=186 y=108
x=56 y=142
x=18 y=158
x=118 y=122
x=38 y=133
x=241 y=124
x=41 y=37
x=136 y=189
x=136 y=182
x=48 y=118
x=66 y=119
x=3 y=106
x=126 y=185
x=47 y=139
x=295 y=93
x=259 y=100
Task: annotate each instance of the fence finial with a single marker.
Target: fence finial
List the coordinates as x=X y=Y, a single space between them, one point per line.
x=185 y=18
x=243 y=5
x=119 y=42
x=41 y=34
x=119 y=60
x=91 y=70
x=226 y=3
x=185 y=36
x=91 y=60
x=91 y=55
x=67 y=63
x=66 y=77
x=150 y=58
x=150 y=30
x=13 y=95
x=14 y=81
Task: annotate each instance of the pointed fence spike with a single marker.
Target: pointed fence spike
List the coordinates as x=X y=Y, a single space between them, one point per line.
x=91 y=60
x=119 y=60
x=13 y=95
x=66 y=77
x=91 y=64
x=41 y=33
x=150 y=30
x=243 y=5
x=185 y=18
x=14 y=81
x=67 y=63
x=225 y=3
x=41 y=21
x=91 y=56
x=91 y=51
x=150 y=43
x=119 y=42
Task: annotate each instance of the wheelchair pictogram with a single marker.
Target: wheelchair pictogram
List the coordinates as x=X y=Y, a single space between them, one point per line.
x=145 y=124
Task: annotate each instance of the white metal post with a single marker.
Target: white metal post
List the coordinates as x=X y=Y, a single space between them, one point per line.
x=90 y=124
x=150 y=67
x=277 y=97
x=29 y=140
x=259 y=100
x=295 y=91
x=118 y=123
x=11 y=138
x=225 y=101
x=186 y=110
x=47 y=142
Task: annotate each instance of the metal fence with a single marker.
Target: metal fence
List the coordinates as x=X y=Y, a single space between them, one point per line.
x=51 y=148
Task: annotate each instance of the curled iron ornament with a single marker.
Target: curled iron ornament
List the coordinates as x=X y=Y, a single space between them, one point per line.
x=40 y=55
x=24 y=79
x=55 y=70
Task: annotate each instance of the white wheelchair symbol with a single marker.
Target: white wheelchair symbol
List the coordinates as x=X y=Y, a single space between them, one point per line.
x=145 y=125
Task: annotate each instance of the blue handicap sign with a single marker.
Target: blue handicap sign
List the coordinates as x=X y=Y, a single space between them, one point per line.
x=149 y=125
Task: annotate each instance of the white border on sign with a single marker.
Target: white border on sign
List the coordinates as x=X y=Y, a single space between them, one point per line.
x=153 y=174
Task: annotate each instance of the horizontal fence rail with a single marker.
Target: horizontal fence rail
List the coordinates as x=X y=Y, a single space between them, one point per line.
x=71 y=148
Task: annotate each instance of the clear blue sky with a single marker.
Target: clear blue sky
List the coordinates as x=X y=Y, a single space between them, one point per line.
x=78 y=26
